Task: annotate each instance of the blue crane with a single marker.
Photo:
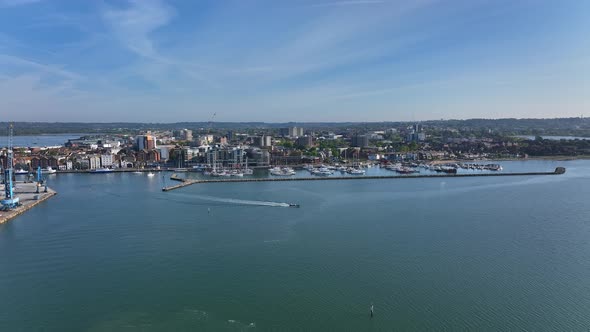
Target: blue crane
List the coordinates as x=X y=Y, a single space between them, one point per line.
x=9 y=201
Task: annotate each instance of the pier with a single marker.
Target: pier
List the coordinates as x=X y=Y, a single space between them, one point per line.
x=187 y=182
x=29 y=198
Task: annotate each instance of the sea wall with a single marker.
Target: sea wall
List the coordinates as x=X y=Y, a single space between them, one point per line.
x=187 y=182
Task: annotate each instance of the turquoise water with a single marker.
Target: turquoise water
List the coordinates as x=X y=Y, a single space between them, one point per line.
x=111 y=252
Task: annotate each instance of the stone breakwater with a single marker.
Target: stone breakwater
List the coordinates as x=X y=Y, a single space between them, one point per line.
x=187 y=182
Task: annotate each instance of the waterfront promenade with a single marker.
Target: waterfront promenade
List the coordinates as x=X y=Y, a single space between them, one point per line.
x=182 y=182
x=29 y=198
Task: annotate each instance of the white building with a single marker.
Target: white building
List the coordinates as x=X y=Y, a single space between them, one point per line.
x=106 y=160
x=93 y=162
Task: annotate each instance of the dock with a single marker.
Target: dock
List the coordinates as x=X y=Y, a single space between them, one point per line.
x=29 y=198
x=182 y=182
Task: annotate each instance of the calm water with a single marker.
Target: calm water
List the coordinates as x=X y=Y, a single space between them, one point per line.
x=111 y=252
x=39 y=140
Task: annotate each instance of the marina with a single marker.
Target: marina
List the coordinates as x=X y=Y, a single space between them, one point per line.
x=187 y=182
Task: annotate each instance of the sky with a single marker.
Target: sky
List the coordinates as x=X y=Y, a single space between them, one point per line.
x=292 y=60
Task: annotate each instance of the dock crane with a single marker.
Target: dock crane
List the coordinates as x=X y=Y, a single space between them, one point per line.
x=10 y=201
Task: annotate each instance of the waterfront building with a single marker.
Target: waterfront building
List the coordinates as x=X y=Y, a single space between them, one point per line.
x=106 y=160
x=164 y=152
x=84 y=163
x=94 y=162
x=145 y=142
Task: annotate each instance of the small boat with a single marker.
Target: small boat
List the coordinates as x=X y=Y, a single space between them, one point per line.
x=294 y=205
x=150 y=174
x=48 y=170
x=21 y=171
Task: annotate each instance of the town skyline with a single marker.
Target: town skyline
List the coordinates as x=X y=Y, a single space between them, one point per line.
x=315 y=61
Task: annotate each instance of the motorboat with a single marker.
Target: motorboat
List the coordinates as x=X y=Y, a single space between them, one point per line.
x=48 y=170
x=282 y=171
x=355 y=171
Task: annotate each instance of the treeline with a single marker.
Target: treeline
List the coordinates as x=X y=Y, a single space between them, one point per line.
x=479 y=127
x=547 y=147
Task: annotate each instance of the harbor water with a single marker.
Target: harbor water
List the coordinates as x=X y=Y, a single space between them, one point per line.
x=112 y=252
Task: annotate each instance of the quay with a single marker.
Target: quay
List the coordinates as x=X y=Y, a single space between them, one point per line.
x=29 y=198
x=187 y=182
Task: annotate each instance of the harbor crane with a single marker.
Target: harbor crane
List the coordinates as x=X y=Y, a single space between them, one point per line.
x=10 y=201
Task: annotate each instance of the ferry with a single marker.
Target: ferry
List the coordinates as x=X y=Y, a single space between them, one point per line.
x=102 y=170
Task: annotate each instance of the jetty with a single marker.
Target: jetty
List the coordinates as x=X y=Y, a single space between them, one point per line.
x=28 y=197
x=183 y=182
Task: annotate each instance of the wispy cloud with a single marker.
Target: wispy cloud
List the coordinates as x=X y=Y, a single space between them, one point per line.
x=132 y=26
x=11 y=60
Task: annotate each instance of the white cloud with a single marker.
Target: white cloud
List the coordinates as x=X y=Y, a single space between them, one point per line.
x=132 y=26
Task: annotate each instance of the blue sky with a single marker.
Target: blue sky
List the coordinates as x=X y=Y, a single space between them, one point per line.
x=298 y=60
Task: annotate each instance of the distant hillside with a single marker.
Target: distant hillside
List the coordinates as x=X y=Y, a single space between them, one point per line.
x=558 y=126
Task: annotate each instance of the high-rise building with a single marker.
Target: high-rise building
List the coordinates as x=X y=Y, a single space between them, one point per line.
x=263 y=141
x=361 y=141
x=145 y=142
x=305 y=141
x=187 y=134
x=291 y=132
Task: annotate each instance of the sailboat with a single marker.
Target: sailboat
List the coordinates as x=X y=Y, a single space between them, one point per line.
x=356 y=168
x=246 y=170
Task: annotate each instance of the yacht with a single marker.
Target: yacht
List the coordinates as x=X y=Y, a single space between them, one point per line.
x=282 y=171
x=322 y=171
x=48 y=170
x=355 y=171
x=21 y=171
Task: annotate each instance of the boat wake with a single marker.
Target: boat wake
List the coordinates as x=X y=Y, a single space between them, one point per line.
x=237 y=201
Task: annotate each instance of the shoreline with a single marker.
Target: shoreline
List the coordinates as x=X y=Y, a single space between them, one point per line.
x=533 y=158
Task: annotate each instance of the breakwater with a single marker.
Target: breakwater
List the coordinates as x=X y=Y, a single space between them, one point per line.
x=29 y=198
x=182 y=182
